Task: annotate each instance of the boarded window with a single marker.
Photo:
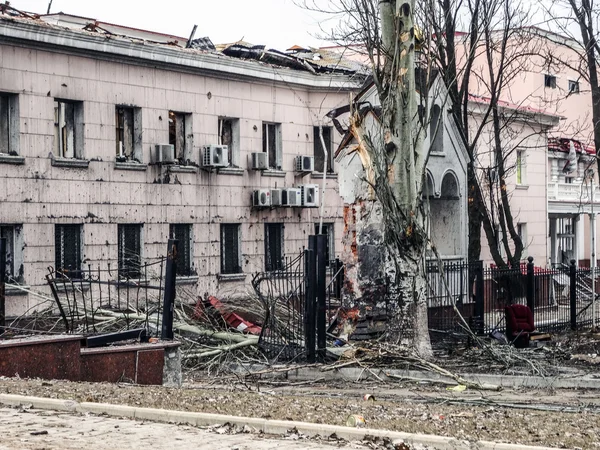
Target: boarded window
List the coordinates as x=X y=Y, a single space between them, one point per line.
x=183 y=233
x=271 y=143
x=230 y=249
x=68 y=129
x=318 y=149
x=67 y=250
x=130 y=250
x=273 y=246
x=129 y=133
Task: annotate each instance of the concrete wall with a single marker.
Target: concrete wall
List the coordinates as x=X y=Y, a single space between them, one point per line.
x=39 y=195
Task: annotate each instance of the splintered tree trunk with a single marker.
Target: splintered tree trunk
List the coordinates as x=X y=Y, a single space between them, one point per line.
x=404 y=158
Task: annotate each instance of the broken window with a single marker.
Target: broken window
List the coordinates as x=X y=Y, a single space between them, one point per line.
x=67 y=250
x=183 y=233
x=436 y=129
x=130 y=250
x=14 y=252
x=550 y=81
x=230 y=249
x=318 y=149
x=229 y=135
x=129 y=133
x=68 y=129
x=271 y=143
x=273 y=246
x=330 y=248
x=573 y=87
x=181 y=136
x=9 y=124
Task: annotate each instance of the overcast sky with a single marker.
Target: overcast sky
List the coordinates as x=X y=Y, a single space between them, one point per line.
x=276 y=23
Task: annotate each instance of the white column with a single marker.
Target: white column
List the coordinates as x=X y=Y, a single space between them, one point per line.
x=553 y=240
x=578 y=245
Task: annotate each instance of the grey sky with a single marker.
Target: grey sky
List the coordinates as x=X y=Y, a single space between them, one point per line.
x=276 y=23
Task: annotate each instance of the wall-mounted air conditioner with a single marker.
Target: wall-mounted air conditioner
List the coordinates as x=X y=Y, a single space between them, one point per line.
x=215 y=156
x=261 y=198
x=276 y=195
x=305 y=164
x=291 y=197
x=310 y=195
x=260 y=161
x=164 y=154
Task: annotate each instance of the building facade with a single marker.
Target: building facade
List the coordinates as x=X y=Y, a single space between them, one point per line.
x=84 y=116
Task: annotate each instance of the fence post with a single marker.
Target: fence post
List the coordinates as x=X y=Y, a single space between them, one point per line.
x=479 y=298
x=573 y=294
x=530 y=285
x=169 y=295
x=321 y=315
x=310 y=275
x=2 y=283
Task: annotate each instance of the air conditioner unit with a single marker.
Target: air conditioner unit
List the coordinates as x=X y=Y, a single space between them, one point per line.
x=215 y=156
x=276 y=195
x=310 y=195
x=261 y=198
x=291 y=197
x=164 y=154
x=260 y=161
x=305 y=164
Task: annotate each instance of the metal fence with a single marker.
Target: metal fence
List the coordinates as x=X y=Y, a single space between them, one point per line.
x=560 y=298
x=106 y=292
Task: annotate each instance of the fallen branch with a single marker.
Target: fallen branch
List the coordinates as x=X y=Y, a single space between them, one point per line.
x=224 y=348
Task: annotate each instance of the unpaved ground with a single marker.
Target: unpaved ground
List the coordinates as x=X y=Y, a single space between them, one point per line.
x=35 y=430
x=417 y=410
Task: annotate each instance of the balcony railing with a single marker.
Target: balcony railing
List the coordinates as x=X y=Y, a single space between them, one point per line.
x=572 y=192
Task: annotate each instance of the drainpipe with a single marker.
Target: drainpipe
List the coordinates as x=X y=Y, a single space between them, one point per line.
x=326 y=155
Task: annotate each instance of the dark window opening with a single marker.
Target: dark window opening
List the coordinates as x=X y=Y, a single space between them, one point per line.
x=436 y=129
x=180 y=135
x=68 y=129
x=130 y=251
x=8 y=233
x=270 y=143
x=318 y=149
x=273 y=246
x=573 y=87
x=67 y=251
x=330 y=248
x=550 y=81
x=183 y=233
x=129 y=133
x=9 y=124
x=230 y=249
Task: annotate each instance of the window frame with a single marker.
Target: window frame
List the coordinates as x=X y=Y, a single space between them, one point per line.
x=181 y=135
x=521 y=167
x=124 y=267
x=330 y=232
x=318 y=153
x=436 y=132
x=77 y=128
x=573 y=87
x=275 y=160
x=133 y=133
x=9 y=124
x=270 y=253
x=75 y=237
x=549 y=81
x=238 y=251
x=233 y=148
x=14 y=252
x=185 y=247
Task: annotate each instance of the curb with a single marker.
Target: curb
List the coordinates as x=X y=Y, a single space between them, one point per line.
x=265 y=425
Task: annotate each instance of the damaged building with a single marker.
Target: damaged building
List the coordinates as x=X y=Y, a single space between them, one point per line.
x=114 y=139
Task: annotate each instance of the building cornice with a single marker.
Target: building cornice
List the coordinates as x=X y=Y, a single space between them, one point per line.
x=26 y=33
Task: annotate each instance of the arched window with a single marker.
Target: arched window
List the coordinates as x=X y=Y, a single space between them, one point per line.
x=436 y=132
x=450 y=188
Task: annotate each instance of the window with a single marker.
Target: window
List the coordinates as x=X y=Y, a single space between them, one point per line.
x=273 y=246
x=129 y=133
x=521 y=167
x=14 y=252
x=573 y=87
x=183 y=233
x=9 y=124
x=318 y=149
x=181 y=136
x=436 y=129
x=130 y=250
x=230 y=249
x=550 y=81
x=67 y=250
x=229 y=135
x=68 y=129
x=271 y=142
x=522 y=232
x=330 y=249
x=569 y=180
